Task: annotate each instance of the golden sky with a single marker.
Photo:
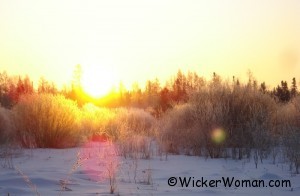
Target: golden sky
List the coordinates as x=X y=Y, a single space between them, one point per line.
x=141 y=40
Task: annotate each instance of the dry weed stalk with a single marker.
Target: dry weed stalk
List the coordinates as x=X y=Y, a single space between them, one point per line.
x=76 y=165
x=111 y=164
x=28 y=181
x=111 y=172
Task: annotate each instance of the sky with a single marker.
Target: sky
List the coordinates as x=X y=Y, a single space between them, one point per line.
x=140 y=40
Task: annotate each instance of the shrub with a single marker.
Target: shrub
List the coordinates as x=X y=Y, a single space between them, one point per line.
x=94 y=121
x=8 y=147
x=178 y=130
x=250 y=122
x=211 y=107
x=128 y=122
x=133 y=131
x=135 y=147
x=289 y=120
x=2 y=127
x=46 y=120
x=5 y=126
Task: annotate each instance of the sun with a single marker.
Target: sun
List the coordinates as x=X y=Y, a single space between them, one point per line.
x=97 y=81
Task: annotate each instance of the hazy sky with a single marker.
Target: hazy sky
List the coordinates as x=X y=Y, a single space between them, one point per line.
x=142 y=40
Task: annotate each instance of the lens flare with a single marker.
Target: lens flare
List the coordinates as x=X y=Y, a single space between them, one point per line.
x=218 y=136
x=101 y=160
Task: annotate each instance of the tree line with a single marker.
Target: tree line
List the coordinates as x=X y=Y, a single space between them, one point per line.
x=155 y=96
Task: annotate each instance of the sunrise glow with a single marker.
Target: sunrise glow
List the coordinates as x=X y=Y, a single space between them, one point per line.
x=48 y=38
x=98 y=81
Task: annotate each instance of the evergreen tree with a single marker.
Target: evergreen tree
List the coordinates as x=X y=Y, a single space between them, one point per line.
x=5 y=82
x=238 y=82
x=286 y=93
x=282 y=92
x=294 y=88
x=263 y=87
x=180 y=88
x=165 y=99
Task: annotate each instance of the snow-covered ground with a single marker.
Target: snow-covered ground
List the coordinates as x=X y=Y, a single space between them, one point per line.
x=86 y=171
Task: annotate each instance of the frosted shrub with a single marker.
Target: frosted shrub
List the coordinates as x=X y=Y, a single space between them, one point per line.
x=132 y=128
x=188 y=127
x=210 y=114
x=135 y=147
x=6 y=129
x=3 y=126
x=128 y=122
x=138 y=121
x=296 y=104
x=94 y=120
x=252 y=122
x=45 y=120
x=289 y=119
x=8 y=148
x=179 y=130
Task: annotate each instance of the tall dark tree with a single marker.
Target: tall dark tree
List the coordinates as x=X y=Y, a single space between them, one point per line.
x=20 y=86
x=263 y=87
x=24 y=86
x=282 y=92
x=28 y=85
x=216 y=79
x=5 y=82
x=238 y=82
x=286 y=93
x=294 y=88
x=165 y=102
x=254 y=84
x=180 y=88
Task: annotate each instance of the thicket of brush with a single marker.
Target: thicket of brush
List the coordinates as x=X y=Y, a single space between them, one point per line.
x=250 y=123
x=243 y=114
x=6 y=131
x=45 y=120
x=217 y=120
